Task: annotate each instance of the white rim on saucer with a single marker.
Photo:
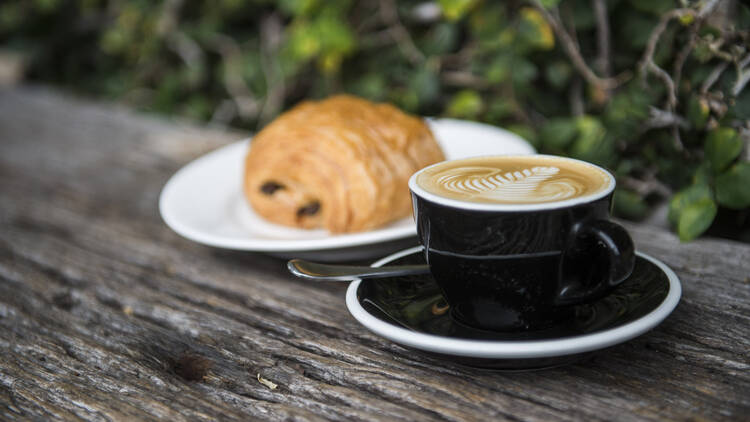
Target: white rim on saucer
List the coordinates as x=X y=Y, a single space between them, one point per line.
x=514 y=349
x=204 y=202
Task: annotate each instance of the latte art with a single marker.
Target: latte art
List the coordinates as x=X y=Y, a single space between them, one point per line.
x=513 y=179
x=519 y=186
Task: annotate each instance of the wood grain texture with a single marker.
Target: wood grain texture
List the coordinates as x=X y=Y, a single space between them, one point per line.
x=106 y=314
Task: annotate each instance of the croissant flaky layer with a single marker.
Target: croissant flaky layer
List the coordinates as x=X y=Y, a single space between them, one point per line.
x=342 y=164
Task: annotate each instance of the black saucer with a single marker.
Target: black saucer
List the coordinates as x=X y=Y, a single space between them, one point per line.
x=411 y=310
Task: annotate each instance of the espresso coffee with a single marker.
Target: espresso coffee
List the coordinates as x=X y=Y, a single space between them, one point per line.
x=513 y=179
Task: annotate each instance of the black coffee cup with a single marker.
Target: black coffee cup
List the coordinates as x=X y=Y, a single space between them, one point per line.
x=520 y=267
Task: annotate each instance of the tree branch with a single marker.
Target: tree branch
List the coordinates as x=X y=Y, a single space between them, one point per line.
x=663 y=118
x=400 y=35
x=647 y=60
x=671 y=101
x=602 y=37
x=677 y=140
x=664 y=76
x=464 y=79
x=667 y=118
x=188 y=50
x=245 y=103
x=743 y=76
x=647 y=64
x=574 y=53
x=707 y=8
x=745 y=136
x=713 y=76
x=646 y=187
x=271 y=32
x=167 y=20
x=648 y=54
x=683 y=54
x=577 y=107
x=462 y=57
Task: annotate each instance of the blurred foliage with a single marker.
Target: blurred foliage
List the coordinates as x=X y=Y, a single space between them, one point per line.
x=664 y=107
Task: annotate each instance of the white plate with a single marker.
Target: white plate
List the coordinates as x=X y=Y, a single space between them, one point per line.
x=519 y=349
x=204 y=201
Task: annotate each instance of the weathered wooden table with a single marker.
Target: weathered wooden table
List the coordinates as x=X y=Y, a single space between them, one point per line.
x=106 y=314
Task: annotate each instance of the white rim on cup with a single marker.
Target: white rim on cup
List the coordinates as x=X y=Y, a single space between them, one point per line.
x=417 y=190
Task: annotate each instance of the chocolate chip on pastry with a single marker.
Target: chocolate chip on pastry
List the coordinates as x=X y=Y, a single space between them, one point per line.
x=270 y=187
x=341 y=164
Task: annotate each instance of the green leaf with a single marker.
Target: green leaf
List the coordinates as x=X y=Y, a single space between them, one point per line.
x=629 y=204
x=327 y=35
x=634 y=35
x=702 y=175
x=723 y=145
x=697 y=112
x=370 y=85
x=592 y=143
x=702 y=53
x=627 y=110
x=696 y=218
x=743 y=15
x=686 y=197
x=627 y=166
x=499 y=69
x=557 y=133
x=465 y=104
x=12 y=15
x=505 y=39
x=407 y=100
x=334 y=34
x=46 y=6
x=454 y=10
x=441 y=39
x=197 y=108
x=522 y=73
x=169 y=87
x=525 y=132
x=741 y=108
x=583 y=15
x=733 y=186
x=485 y=21
x=302 y=43
x=548 y=4
x=298 y=7
x=500 y=108
x=115 y=40
x=558 y=74
x=655 y=7
x=534 y=31
x=426 y=84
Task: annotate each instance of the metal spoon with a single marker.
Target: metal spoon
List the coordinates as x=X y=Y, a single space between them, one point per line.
x=326 y=272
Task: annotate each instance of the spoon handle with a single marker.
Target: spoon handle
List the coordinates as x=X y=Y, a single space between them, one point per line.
x=326 y=272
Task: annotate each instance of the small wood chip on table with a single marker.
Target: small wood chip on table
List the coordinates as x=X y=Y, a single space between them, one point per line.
x=106 y=314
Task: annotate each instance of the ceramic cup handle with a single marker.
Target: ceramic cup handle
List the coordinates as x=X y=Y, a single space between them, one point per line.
x=620 y=256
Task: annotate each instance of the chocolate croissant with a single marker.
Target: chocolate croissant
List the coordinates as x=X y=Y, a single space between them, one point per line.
x=341 y=164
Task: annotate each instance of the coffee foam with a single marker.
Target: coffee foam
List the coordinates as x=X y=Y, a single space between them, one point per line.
x=513 y=180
